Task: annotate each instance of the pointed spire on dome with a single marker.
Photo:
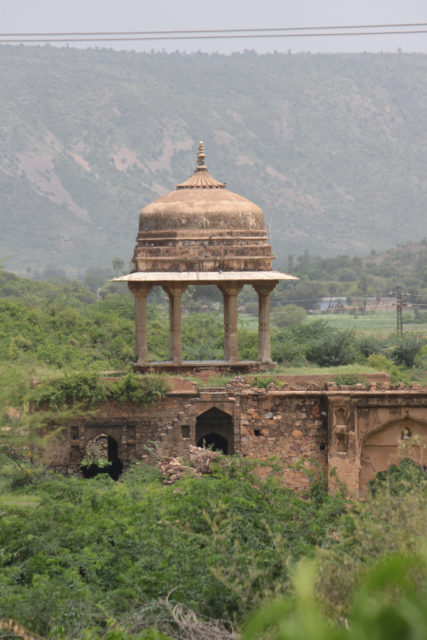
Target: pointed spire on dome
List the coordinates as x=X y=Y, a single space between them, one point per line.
x=201 y=179
x=201 y=155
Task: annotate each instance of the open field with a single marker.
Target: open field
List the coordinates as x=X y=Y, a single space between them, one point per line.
x=380 y=323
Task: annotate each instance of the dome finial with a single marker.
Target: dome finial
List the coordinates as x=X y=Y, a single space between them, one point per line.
x=201 y=157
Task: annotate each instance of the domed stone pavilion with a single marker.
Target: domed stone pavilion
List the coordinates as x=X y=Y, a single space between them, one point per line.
x=201 y=234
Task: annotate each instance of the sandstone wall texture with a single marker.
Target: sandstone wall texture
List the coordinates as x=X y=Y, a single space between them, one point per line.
x=351 y=433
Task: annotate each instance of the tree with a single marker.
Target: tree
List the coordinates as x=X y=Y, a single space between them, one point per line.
x=94 y=278
x=288 y=316
x=305 y=294
x=407 y=349
x=118 y=266
x=333 y=349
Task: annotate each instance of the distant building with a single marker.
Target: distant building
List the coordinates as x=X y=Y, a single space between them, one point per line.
x=332 y=304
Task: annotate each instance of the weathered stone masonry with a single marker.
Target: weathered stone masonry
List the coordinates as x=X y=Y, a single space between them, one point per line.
x=356 y=431
x=202 y=234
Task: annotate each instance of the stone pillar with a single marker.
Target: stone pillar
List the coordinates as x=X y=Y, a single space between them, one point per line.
x=226 y=298
x=171 y=326
x=140 y=290
x=230 y=291
x=263 y=290
x=175 y=291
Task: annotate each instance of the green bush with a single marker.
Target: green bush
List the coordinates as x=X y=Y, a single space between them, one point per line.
x=144 y=390
x=399 y=479
x=218 y=544
x=407 y=349
x=292 y=345
x=262 y=382
x=368 y=345
x=370 y=573
x=288 y=315
x=87 y=389
x=248 y=344
x=333 y=349
x=393 y=518
x=388 y=605
x=70 y=389
x=202 y=336
x=382 y=363
x=347 y=378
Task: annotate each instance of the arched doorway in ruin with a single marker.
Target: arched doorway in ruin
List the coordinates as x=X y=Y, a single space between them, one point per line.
x=214 y=429
x=389 y=445
x=102 y=456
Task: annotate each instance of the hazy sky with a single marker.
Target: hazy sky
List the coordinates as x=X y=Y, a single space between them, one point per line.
x=131 y=15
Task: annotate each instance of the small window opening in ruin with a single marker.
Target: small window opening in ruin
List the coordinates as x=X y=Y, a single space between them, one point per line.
x=185 y=430
x=322 y=446
x=115 y=466
x=406 y=433
x=74 y=433
x=257 y=432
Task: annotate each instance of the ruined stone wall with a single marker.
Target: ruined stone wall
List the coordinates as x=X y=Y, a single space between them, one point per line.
x=356 y=432
x=142 y=433
x=286 y=427
x=369 y=431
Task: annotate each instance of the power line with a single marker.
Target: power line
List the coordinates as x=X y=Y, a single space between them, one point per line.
x=209 y=37
x=384 y=297
x=123 y=36
x=217 y=31
x=275 y=303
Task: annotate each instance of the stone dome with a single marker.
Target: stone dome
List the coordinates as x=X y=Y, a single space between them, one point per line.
x=201 y=226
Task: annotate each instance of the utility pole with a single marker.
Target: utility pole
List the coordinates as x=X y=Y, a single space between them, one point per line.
x=399 y=312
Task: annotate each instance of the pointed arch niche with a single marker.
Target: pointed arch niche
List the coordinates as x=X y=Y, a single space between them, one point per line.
x=391 y=443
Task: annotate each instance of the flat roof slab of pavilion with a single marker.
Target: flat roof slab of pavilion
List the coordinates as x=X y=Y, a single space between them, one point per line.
x=204 y=277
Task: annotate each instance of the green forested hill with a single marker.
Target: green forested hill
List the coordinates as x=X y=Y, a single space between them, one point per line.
x=333 y=147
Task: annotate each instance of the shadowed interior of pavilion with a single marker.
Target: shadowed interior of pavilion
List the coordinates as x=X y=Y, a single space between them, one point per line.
x=202 y=234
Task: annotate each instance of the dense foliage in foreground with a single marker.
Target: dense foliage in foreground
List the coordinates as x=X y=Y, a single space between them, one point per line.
x=369 y=581
x=86 y=550
x=388 y=605
x=136 y=559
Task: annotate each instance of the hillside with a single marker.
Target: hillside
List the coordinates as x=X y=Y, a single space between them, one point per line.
x=333 y=147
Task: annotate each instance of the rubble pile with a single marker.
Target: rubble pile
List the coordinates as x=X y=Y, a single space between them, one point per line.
x=198 y=463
